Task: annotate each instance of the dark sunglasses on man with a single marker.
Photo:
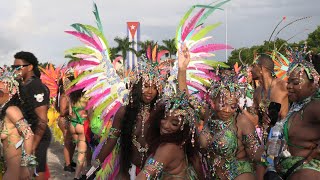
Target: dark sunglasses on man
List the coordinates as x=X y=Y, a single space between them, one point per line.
x=18 y=67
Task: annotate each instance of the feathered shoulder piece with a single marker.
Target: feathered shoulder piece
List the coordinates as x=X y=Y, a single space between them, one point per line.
x=50 y=76
x=97 y=75
x=282 y=61
x=193 y=33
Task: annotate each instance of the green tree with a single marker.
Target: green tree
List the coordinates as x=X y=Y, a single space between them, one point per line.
x=113 y=53
x=247 y=54
x=143 y=46
x=313 y=40
x=169 y=45
x=124 y=46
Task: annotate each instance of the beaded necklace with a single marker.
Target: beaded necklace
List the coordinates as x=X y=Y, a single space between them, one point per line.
x=265 y=101
x=144 y=114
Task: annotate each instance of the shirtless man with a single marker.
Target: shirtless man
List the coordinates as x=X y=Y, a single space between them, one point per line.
x=271 y=89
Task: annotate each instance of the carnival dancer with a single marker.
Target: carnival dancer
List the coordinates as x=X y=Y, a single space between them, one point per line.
x=96 y=59
x=78 y=115
x=173 y=140
x=131 y=121
x=229 y=138
x=299 y=158
x=38 y=101
x=57 y=80
x=109 y=97
x=62 y=105
x=16 y=135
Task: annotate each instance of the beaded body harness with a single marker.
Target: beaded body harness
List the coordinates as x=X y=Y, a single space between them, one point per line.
x=144 y=114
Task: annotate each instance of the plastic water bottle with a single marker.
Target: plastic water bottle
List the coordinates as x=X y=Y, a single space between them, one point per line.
x=275 y=138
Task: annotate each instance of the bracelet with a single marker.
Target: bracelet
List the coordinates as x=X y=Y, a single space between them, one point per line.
x=28 y=160
x=114 y=133
x=24 y=128
x=96 y=163
x=152 y=166
x=147 y=174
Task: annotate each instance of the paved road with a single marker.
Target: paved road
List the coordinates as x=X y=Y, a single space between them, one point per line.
x=56 y=163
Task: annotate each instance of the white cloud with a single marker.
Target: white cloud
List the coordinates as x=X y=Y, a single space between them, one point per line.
x=38 y=25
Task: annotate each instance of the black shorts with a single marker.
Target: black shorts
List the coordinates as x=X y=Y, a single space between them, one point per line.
x=41 y=151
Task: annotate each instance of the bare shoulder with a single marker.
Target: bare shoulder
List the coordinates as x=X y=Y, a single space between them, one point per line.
x=313 y=107
x=14 y=113
x=168 y=147
x=13 y=110
x=281 y=84
x=121 y=112
x=167 y=153
x=245 y=125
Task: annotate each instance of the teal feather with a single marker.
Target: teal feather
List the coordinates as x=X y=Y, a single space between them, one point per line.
x=79 y=27
x=96 y=14
x=210 y=11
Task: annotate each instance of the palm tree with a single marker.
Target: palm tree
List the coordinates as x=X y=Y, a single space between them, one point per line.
x=169 y=45
x=144 y=45
x=124 y=46
x=113 y=53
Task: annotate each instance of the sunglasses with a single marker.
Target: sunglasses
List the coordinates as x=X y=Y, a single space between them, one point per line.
x=18 y=67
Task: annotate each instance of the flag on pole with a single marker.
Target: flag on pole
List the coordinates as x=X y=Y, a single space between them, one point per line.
x=133 y=31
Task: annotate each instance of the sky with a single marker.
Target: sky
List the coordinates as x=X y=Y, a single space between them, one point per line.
x=38 y=25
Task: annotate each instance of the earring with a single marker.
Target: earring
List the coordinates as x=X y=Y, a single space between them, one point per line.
x=131 y=101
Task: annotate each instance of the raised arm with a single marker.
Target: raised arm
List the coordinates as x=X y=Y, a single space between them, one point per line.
x=183 y=62
x=113 y=135
x=252 y=112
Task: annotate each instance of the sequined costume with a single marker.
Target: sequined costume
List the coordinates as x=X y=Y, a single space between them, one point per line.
x=286 y=160
x=223 y=146
x=152 y=164
x=287 y=163
x=14 y=133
